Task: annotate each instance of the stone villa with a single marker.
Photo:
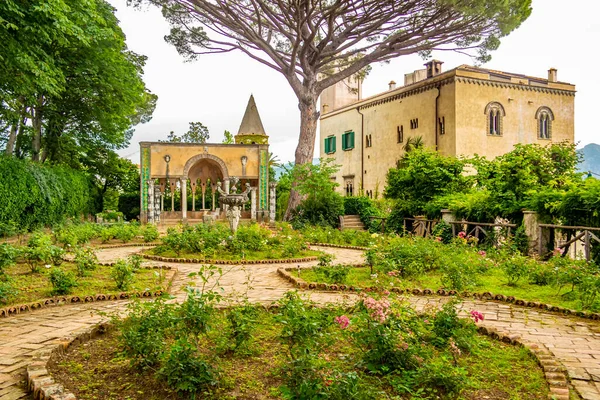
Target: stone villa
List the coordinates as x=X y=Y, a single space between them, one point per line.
x=464 y=111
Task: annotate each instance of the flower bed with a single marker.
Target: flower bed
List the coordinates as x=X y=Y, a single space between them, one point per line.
x=377 y=349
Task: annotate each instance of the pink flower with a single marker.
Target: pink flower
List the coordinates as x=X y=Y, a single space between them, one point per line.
x=379 y=309
x=462 y=235
x=557 y=252
x=438 y=239
x=477 y=316
x=393 y=273
x=482 y=253
x=386 y=292
x=343 y=321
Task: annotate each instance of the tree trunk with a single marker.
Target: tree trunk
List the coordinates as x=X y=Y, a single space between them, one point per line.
x=309 y=115
x=36 y=142
x=12 y=138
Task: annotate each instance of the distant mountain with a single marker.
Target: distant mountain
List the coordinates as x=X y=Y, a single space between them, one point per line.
x=591 y=159
x=280 y=170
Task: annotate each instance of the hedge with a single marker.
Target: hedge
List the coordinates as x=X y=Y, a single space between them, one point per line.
x=35 y=195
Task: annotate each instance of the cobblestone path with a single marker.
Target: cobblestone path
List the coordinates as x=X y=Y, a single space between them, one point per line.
x=574 y=342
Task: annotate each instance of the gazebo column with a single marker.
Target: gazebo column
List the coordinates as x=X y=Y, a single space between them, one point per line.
x=227 y=188
x=203 y=195
x=213 y=189
x=173 y=186
x=272 y=201
x=183 y=182
x=194 y=187
x=253 y=204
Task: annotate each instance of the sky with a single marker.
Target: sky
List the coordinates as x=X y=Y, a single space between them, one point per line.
x=215 y=89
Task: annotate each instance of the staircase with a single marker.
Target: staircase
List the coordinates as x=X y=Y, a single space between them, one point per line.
x=351 y=222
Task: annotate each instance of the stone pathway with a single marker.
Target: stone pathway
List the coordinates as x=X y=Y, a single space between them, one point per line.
x=573 y=341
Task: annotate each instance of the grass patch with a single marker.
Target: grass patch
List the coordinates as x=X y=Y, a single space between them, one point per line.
x=96 y=370
x=494 y=281
x=36 y=286
x=224 y=255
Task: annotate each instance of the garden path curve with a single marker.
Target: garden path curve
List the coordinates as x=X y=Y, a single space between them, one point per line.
x=574 y=342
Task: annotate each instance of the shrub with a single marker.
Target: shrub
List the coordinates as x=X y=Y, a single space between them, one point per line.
x=8 y=255
x=142 y=334
x=39 y=251
x=7 y=289
x=150 y=233
x=185 y=371
x=363 y=207
x=335 y=273
x=443 y=230
x=135 y=261
x=62 y=282
x=515 y=268
x=242 y=320
x=122 y=273
x=125 y=233
x=85 y=260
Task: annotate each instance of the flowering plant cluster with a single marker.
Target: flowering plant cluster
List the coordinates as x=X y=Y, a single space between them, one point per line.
x=378 y=309
x=343 y=321
x=477 y=316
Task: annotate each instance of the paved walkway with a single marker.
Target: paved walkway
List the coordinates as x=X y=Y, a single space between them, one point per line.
x=573 y=341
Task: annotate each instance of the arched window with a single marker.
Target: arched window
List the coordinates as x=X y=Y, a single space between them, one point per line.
x=544 y=117
x=494 y=113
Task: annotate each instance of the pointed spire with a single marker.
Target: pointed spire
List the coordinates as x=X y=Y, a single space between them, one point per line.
x=251 y=123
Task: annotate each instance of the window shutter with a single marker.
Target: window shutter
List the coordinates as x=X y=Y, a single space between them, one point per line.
x=326 y=145
x=351 y=140
x=332 y=145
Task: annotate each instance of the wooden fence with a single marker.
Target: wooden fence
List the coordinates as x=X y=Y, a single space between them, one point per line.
x=584 y=233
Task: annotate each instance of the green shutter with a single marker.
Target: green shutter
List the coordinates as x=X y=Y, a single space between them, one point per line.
x=333 y=144
x=326 y=145
x=351 y=140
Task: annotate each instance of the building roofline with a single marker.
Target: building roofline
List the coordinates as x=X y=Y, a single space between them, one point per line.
x=461 y=73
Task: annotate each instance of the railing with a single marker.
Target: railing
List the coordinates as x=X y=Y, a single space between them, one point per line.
x=585 y=234
x=381 y=223
x=480 y=229
x=420 y=226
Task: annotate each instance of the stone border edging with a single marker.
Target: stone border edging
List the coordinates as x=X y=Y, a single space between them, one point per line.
x=339 y=246
x=120 y=245
x=226 y=262
x=61 y=300
x=39 y=381
x=487 y=296
x=555 y=373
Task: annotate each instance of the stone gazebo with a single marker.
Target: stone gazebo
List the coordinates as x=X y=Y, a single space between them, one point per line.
x=181 y=167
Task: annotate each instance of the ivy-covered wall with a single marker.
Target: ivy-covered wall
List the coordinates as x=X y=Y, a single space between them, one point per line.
x=33 y=195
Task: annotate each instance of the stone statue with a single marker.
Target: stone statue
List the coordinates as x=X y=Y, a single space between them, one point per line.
x=234 y=201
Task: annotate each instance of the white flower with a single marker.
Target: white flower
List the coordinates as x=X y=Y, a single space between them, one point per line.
x=48 y=266
x=374 y=276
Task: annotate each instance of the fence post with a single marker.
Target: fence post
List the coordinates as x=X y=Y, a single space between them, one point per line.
x=534 y=232
x=587 y=245
x=421 y=228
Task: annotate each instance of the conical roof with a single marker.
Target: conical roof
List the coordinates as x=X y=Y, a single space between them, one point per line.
x=251 y=123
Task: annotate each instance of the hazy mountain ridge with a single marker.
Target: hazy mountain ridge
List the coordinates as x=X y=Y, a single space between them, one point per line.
x=591 y=159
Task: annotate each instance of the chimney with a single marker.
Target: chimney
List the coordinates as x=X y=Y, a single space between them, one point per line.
x=392 y=85
x=552 y=75
x=434 y=67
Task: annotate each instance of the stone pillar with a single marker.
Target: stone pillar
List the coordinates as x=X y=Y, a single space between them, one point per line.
x=272 y=201
x=213 y=190
x=194 y=187
x=184 y=199
x=203 y=194
x=225 y=207
x=447 y=216
x=150 y=213
x=537 y=243
x=253 y=204
x=157 y=203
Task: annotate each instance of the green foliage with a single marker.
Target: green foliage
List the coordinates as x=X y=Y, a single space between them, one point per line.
x=40 y=250
x=321 y=205
x=150 y=233
x=7 y=289
x=62 y=282
x=8 y=256
x=364 y=207
x=85 y=260
x=516 y=267
x=185 y=370
x=423 y=175
x=333 y=274
x=36 y=196
x=242 y=320
x=122 y=273
x=197 y=133
x=129 y=205
x=443 y=231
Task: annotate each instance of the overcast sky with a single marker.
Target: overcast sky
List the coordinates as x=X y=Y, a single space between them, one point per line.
x=215 y=89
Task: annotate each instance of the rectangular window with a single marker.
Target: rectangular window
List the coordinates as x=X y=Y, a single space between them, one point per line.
x=400 y=133
x=442 y=124
x=369 y=141
x=348 y=141
x=330 y=145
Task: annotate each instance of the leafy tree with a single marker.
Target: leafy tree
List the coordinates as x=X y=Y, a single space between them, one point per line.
x=78 y=85
x=316 y=44
x=321 y=204
x=197 y=133
x=228 y=138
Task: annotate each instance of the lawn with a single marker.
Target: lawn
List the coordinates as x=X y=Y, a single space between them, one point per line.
x=32 y=287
